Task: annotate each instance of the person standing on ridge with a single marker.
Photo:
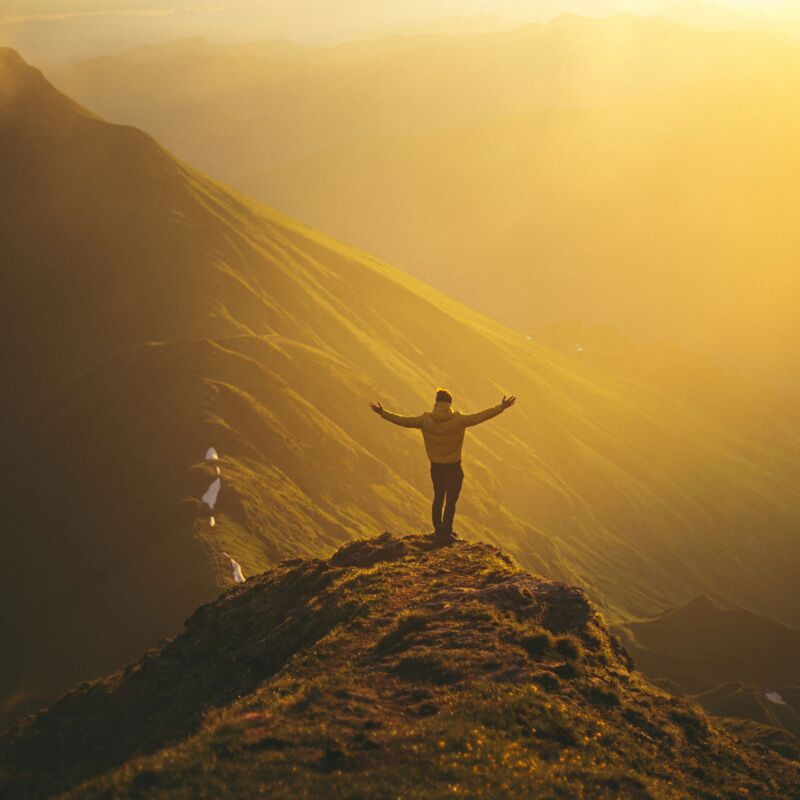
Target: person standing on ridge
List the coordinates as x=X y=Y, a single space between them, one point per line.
x=443 y=434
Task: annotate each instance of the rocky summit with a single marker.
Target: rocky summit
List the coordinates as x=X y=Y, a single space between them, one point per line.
x=392 y=669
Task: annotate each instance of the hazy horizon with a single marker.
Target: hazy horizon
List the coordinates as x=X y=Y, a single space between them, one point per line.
x=58 y=31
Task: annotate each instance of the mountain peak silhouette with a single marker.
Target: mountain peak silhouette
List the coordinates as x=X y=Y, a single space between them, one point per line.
x=25 y=94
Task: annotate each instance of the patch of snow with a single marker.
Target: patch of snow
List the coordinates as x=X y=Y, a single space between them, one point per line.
x=212 y=522
x=774 y=697
x=212 y=493
x=212 y=454
x=236 y=570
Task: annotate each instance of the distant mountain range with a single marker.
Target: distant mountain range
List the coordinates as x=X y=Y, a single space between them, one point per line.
x=154 y=313
x=627 y=171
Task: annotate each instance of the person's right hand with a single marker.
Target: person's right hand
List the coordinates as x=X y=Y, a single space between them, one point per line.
x=376 y=407
x=507 y=402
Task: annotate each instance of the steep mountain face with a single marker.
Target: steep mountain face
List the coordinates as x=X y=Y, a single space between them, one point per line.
x=624 y=171
x=389 y=670
x=156 y=314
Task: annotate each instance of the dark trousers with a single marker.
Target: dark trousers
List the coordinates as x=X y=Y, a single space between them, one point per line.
x=447 y=480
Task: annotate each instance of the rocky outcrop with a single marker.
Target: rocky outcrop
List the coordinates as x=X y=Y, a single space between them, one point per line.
x=390 y=669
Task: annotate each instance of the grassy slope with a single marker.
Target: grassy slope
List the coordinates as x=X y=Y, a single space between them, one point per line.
x=389 y=670
x=626 y=171
x=649 y=215
x=730 y=396
x=157 y=313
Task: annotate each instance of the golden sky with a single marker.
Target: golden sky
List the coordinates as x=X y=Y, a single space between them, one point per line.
x=389 y=10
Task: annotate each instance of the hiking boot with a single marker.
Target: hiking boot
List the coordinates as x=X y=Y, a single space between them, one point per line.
x=444 y=538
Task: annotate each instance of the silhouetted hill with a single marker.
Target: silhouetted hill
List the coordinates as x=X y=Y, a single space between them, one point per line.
x=702 y=645
x=155 y=313
x=389 y=669
x=733 y=662
x=741 y=701
x=755 y=733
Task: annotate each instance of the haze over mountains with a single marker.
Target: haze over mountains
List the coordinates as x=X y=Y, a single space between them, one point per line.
x=156 y=313
x=626 y=171
x=61 y=30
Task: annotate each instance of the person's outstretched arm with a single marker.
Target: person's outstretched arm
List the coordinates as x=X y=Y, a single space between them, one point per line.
x=397 y=419
x=481 y=416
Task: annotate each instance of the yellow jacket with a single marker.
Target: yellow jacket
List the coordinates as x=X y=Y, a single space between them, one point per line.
x=443 y=429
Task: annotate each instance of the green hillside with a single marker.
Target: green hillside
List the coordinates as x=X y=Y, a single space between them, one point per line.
x=667 y=216
x=390 y=670
x=731 y=395
x=626 y=171
x=156 y=313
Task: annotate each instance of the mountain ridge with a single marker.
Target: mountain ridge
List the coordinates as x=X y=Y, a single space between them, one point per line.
x=392 y=666
x=581 y=152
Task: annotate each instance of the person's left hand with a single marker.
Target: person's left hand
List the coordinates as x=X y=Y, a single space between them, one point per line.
x=507 y=402
x=376 y=407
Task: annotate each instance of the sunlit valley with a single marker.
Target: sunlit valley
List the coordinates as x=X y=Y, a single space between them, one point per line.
x=215 y=254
